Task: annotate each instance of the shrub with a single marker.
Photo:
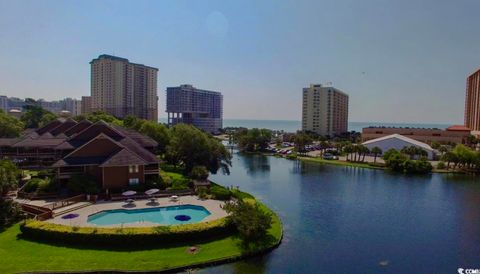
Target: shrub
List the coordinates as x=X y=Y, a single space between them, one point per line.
x=43 y=174
x=171 y=168
x=32 y=185
x=220 y=193
x=409 y=166
x=84 y=183
x=292 y=156
x=91 y=188
x=10 y=212
x=128 y=237
x=241 y=195
x=251 y=221
x=75 y=184
x=441 y=165
x=202 y=193
x=199 y=173
x=156 y=182
x=423 y=166
x=9 y=174
x=48 y=185
x=174 y=180
x=178 y=187
x=396 y=161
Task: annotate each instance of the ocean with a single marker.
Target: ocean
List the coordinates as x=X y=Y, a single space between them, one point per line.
x=293 y=126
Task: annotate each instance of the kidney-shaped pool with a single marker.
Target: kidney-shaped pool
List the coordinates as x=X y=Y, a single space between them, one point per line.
x=170 y=215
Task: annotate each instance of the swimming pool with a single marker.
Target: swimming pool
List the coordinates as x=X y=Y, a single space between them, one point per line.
x=170 y=215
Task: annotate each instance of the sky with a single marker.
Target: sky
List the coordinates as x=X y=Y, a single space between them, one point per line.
x=399 y=60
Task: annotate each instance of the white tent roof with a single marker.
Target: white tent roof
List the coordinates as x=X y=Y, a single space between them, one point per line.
x=403 y=138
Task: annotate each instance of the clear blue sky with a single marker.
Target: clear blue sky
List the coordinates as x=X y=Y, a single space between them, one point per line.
x=400 y=61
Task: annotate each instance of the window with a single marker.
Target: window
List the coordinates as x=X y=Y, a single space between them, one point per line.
x=133 y=169
x=133 y=181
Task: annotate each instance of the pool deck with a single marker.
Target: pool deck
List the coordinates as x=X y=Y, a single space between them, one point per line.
x=213 y=206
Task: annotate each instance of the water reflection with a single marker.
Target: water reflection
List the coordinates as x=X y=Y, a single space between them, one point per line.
x=256 y=165
x=351 y=220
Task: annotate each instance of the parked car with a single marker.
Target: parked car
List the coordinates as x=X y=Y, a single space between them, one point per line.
x=328 y=156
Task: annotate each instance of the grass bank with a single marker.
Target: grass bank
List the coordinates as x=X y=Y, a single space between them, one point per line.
x=367 y=165
x=21 y=255
x=340 y=163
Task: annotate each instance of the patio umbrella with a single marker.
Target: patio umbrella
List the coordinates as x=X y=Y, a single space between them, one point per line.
x=129 y=193
x=152 y=191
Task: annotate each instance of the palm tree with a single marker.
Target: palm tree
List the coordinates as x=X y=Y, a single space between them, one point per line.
x=376 y=151
x=358 y=150
x=348 y=149
x=323 y=146
x=421 y=152
x=410 y=151
x=363 y=151
x=443 y=149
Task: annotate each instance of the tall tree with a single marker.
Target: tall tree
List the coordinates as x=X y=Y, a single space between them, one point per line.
x=363 y=151
x=8 y=176
x=99 y=115
x=376 y=151
x=133 y=122
x=35 y=116
x=157 y=132
x=253 y=139
x=9 y=126
x=191 y=147
x=302 y=140
x=348 y=149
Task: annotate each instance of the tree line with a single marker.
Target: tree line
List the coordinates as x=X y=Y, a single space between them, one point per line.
x=181 y=145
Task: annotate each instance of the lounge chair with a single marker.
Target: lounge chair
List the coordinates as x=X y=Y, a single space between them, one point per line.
x=130 y=202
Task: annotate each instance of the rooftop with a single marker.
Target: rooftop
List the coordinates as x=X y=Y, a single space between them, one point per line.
x=458 y=128
x=394 y=127
x=400 y=137
x=116 y=58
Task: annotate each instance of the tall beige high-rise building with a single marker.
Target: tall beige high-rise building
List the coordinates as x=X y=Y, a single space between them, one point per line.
x=86 y=105
x=472 y=102
x=324 y=110
x=121 y=88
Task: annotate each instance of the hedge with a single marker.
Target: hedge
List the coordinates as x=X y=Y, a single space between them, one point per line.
x=131 y=237
x=220 y=193
x=241 y=195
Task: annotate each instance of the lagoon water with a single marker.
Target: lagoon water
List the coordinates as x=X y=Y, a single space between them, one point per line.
x=350 y=220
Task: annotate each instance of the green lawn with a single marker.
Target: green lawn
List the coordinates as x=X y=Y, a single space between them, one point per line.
x=20 y=255
x=339 y=163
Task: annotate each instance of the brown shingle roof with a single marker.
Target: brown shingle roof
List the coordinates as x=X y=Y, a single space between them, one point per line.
x=80 y=126
x=40 y=143
x=65 y=146
x=109 y=153
x=69 y=123
x=6 y=142
x=46 y=135
x=139 y=150
x=94 y=130
x=50 y=126
x=141 y=139
x=123 y=158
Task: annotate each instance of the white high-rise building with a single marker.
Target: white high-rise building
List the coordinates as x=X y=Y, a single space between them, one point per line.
x=4 y=103
x=324 y=110
x=74 y=106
